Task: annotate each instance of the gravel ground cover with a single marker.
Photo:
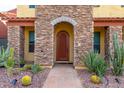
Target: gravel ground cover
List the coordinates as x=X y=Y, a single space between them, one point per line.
x=37 y=79
x=110 y=81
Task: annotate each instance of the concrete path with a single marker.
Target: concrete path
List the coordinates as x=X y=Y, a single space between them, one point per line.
x=62 y=76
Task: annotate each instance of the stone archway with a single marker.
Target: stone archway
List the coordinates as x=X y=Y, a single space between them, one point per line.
x=63 y=43
x=66 y=24
x=63 y=19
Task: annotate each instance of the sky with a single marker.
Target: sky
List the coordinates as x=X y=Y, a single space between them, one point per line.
x=6 y=7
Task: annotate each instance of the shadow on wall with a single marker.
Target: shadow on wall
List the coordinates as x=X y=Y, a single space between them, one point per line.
x=3 y=35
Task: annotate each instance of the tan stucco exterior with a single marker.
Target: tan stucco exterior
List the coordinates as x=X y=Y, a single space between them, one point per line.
x=102 y=11
x=25 y=11
x=108 y=11
x=27 y=55
x=102 y=39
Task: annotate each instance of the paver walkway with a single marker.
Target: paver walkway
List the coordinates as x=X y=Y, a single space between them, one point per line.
x=62 y=76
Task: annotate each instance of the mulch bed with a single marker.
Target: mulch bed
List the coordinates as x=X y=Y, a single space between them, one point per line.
x=84 y=76
x=37 y=79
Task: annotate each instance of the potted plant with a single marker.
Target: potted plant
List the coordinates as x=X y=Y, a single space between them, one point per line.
x=22 y=63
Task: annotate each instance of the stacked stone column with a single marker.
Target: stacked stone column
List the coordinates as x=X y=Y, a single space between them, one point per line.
x=109 y=39
x=16 y=41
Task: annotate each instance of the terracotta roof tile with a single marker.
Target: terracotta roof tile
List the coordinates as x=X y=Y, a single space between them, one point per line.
x=13 y=11
x=9 y=14
x=3 y=27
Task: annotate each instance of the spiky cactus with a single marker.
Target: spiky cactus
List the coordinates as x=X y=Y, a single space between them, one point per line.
x=117 y=58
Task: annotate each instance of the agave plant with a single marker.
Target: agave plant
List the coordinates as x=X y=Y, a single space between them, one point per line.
x=35 y=68
x=5 y=55
x=117 y=58
x=88 y=59
x=101 y=66
x=95 y=63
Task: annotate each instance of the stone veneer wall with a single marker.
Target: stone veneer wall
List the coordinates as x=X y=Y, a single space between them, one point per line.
x=83 y=31
x=16 y=40
x=109 y=39
x=22 y=42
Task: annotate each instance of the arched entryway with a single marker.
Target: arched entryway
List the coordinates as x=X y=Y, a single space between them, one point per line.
x=64 y=42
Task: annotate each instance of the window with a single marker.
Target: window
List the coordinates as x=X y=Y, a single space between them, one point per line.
x=3 y=42
x=31 y=41
x=122 y=5
x=31 y=6
x=97 y=42
x=96 y=5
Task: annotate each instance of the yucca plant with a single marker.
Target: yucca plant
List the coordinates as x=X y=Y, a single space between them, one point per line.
x=95 y=63
x=117 y=58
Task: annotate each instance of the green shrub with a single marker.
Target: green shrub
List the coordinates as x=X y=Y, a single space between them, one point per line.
x=117 y=58
x=95 y=63
x=6 y=55
x=35 y=68
x=26 y=67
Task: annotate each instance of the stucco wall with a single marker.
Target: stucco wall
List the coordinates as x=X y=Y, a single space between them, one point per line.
x=25 y=11
x=27 y=55
x=108 y=11
x=102 y=39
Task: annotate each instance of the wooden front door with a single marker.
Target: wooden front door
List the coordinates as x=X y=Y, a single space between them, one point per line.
x=62 y=46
